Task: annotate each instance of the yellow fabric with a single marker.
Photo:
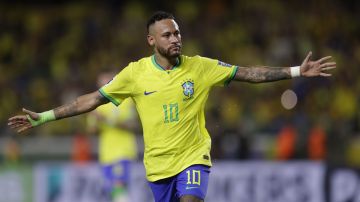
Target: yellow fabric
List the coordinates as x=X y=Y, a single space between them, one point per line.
x=116 y=143
x=172 y=116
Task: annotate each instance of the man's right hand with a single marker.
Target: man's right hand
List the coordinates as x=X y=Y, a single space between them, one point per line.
x=21 y=123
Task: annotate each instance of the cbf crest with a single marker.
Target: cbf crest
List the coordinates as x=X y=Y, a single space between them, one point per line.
x=188 y=89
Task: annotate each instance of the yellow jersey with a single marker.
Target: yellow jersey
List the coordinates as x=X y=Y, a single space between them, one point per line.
x=171 y=106
x=115 y=143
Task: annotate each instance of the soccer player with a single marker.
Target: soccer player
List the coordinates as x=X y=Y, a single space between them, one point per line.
x=117 y=144
x=170 y=91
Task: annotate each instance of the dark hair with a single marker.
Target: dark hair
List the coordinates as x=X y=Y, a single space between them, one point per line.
x=157 y=16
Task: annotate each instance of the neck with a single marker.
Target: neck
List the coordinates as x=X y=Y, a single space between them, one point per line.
x=166 y=63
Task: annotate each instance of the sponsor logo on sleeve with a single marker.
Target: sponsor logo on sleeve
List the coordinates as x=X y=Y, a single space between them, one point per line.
x=224 y=64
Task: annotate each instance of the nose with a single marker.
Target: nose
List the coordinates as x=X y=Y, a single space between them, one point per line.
x=174 y=39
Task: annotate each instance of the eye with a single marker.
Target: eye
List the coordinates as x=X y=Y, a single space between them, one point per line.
x=167 y=35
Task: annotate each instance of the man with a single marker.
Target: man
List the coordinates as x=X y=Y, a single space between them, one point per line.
x=117 y=143
x=170 y=91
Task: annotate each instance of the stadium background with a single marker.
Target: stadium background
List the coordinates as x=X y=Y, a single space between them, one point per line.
x=52 y=52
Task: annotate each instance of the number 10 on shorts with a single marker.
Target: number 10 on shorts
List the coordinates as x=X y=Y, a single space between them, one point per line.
x=193 y=177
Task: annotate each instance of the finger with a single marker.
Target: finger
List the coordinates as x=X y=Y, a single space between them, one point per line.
x=328 y=68
x=16 y=127
x=308 y=57
x=19 y=127
x=18 y=117
x=328 y=64
x=19 y=121
x=23 y=129
x=17 y=124
x=14 y=123
x=325 y=74
x=32 y=114
x=323 y=59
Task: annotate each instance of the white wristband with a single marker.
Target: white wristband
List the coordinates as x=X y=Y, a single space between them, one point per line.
x=295 y=71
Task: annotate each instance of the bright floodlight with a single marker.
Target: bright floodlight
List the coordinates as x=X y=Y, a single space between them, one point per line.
x=289 y=99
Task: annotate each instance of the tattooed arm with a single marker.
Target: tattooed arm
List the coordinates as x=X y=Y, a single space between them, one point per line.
x=261 y=74
x=80 y=105
x=267 y=74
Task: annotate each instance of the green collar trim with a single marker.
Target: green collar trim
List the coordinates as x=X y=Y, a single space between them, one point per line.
x=161 y=68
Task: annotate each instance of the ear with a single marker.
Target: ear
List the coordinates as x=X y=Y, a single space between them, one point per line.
x=151 y=40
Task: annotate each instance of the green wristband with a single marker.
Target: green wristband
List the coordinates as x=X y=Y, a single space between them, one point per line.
x=43 y=118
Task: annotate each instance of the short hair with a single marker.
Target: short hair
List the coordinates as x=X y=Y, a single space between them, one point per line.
x=157 y=16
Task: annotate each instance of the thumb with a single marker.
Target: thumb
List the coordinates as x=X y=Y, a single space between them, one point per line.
x=32 y=114
x=308 y=57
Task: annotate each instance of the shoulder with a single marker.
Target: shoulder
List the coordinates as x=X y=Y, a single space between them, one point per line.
x=135 y=66
x=186 y=58
x=200 y=59
x=192 y=60
x=140 y=64
x=143 y=61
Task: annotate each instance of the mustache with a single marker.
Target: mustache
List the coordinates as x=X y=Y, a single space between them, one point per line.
x=176 y=45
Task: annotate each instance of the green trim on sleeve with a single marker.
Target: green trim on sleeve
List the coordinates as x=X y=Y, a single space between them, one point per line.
x=102 y=92
x=232 y=76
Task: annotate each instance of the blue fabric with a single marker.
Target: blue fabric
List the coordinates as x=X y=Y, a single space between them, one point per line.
x=191 y=181
x=116 y=174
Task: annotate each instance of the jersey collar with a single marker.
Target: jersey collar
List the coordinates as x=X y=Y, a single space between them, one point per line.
x=161 y=68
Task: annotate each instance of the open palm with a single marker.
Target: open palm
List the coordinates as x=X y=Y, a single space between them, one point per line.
x=316 y=68
x=21 y=123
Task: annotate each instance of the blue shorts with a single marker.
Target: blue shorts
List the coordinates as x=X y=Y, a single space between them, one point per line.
x=116 y=174
x=191 y=181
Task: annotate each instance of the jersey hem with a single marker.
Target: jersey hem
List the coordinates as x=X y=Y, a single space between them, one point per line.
x=154 y=179
x=109 y=97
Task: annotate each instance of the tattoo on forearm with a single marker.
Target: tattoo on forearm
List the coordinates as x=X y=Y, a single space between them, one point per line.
x=81 y=105
x=66 y=110
x=262 y=74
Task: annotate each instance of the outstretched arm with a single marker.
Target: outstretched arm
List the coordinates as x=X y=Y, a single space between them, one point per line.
x=80 y=105
x=267 y=74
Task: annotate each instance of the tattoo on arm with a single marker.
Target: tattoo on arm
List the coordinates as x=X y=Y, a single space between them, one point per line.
x=80 y=105
x=262 y=74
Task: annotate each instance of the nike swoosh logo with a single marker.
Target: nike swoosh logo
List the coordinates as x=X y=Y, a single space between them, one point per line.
x=148 y=93
x=191 y=188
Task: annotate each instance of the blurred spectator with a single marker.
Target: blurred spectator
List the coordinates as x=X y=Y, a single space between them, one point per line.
x=117 y=142
x=316 y=144
x=286 y=143
x=11 y=152
x=81 y=149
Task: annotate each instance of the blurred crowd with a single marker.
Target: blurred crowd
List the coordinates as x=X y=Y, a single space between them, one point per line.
x=52 y=53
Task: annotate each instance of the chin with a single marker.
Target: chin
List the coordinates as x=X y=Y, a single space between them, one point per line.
x=175 y=54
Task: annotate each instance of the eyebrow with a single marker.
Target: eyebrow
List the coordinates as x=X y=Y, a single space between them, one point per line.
x=168 y=31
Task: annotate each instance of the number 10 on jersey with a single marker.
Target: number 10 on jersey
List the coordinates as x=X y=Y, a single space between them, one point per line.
x=171 y=113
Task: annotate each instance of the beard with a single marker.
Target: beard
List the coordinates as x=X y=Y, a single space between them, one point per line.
x=169 y=52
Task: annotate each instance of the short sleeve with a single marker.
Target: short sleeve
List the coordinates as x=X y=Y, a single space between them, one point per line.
x=120 y=87
x=218 y=73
